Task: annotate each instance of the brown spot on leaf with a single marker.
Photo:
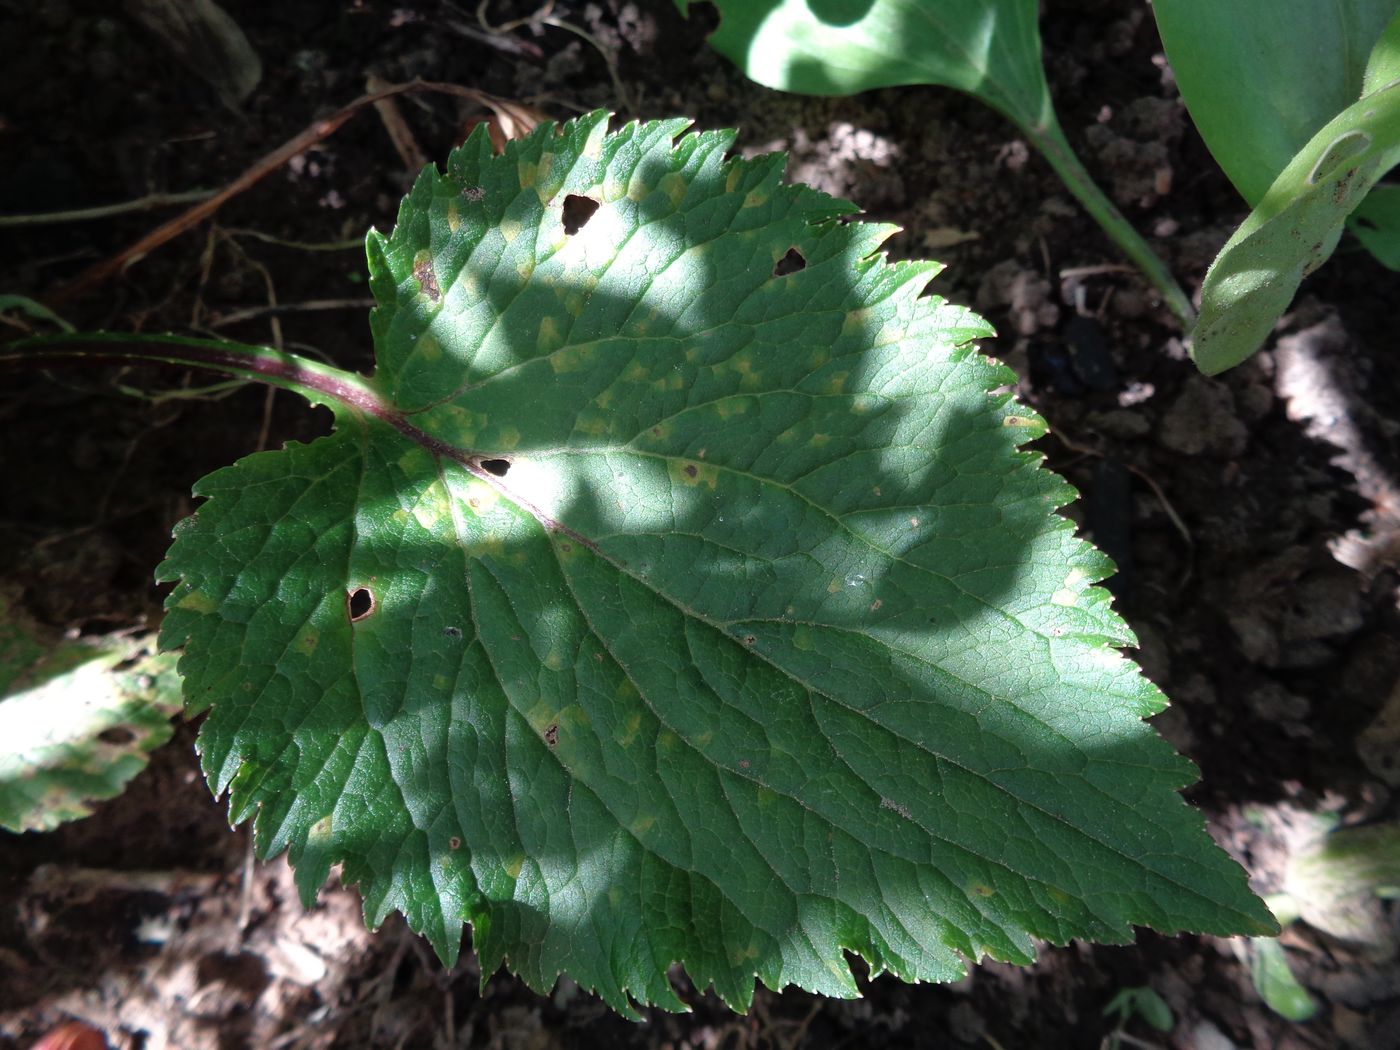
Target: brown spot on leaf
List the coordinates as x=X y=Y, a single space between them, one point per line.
x=690 y=470
x=454 y=843
x=426 y=278
x=551 y=735
x=473 y=193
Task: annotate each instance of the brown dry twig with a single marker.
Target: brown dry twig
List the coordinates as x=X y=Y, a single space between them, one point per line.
x=507 y=112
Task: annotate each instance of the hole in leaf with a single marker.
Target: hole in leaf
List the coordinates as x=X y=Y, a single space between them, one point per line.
x=577 y=211
x=452 y=632
x=499 y=467
x=116 y=735
x=792 y=262
x=360 y=603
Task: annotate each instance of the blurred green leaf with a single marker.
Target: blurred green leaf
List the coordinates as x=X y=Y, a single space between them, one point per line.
x=77 y=719
x=1275 y=983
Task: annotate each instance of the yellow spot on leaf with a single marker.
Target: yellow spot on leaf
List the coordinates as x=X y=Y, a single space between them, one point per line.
x=428 y=347
x=673 y=185
x=549 y=336
x=571 y=359
x=320 y=832
x=756 y=198
x=308 y=640
x=510 y=229
x=837 y=383
x=196 y=602
x=508 y=439
x=514 y=866
x=454 y=219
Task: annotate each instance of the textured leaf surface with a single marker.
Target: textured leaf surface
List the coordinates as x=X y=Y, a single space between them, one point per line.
x=988 y=48
x=77 y=719
x=715 y=618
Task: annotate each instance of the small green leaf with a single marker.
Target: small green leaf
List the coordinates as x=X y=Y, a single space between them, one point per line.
x=1260 y=77
x=1295 y=228
x=38 y=310
x=77 y=719
x=1143 y=1002
x=657 y=604
x=1275 y=983
x=1376 y=224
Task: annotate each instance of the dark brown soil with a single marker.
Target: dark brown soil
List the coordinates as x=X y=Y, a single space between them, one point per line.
x=1255 y=516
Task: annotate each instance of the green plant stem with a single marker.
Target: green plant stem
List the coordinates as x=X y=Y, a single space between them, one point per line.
x=1051 y=141
x=318 y=383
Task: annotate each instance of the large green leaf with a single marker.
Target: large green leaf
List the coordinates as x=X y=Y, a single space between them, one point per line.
x=647 y=607
x=1260 y=77
x=987 y=48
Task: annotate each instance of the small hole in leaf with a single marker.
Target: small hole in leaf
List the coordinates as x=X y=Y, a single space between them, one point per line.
x=499 y=467
x=116 y=735
x=361 y=604
x=577 y=211
x=792 y=262
x=452 y=632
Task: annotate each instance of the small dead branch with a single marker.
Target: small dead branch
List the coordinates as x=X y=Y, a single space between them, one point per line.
x=507 y=112
x=400 y=134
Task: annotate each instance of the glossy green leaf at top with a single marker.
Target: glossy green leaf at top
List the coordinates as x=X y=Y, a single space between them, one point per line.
x=1295 y=228
x=1260 y=77
x=988 y=48
x=669 y=610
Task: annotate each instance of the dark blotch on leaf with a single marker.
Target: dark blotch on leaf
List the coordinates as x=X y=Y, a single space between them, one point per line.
x=361 y=603
x=690 y=470
x=427 y=279
x=551 y=735
x=116 y=735
x=792 y=262
x=577 y=211
x=499 y=467
x=452 y=632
